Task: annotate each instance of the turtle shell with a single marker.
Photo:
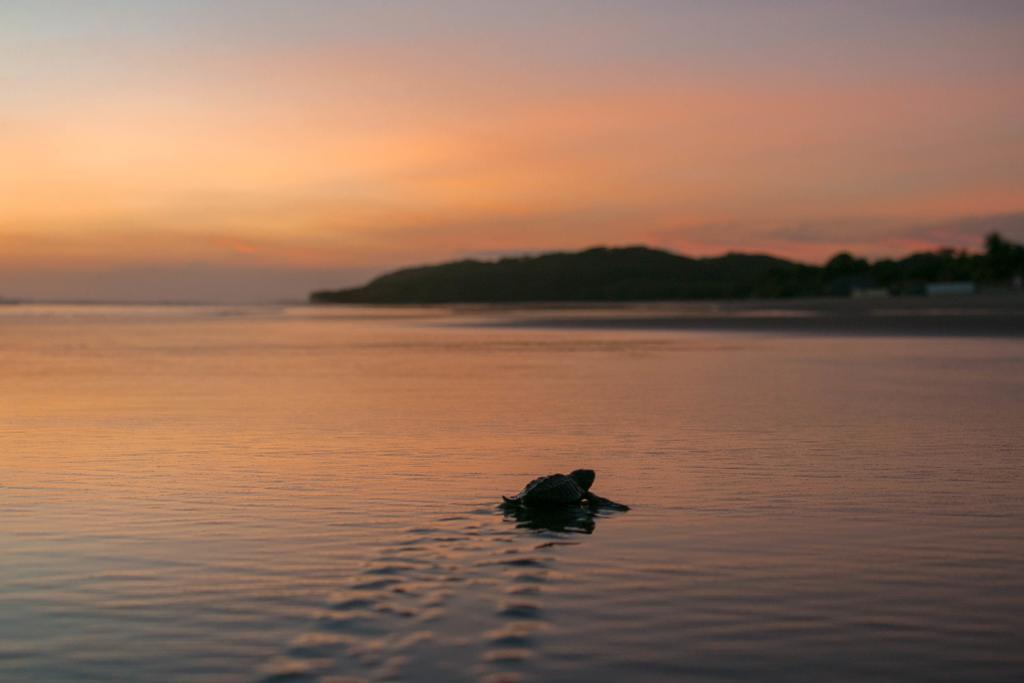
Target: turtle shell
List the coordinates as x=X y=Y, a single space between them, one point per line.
x=554 y=489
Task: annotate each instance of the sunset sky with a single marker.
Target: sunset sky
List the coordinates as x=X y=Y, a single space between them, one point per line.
x=253 y=150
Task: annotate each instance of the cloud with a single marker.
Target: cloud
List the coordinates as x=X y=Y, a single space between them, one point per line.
x=970 y=230
x=876 y=237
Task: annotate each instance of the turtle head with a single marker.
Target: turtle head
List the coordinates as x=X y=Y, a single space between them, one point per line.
x=585 y=478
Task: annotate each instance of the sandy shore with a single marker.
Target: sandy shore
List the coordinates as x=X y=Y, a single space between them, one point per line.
x=999 y=314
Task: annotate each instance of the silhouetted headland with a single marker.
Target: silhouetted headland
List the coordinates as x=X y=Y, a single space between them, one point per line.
x=644 y=274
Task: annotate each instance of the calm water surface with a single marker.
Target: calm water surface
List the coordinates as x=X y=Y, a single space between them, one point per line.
x=246 y=494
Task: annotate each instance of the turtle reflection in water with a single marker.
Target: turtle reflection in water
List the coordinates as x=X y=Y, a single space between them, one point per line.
x=575 y=519
x=559 y=502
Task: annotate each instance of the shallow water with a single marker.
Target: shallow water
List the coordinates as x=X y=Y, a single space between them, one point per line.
x=239 y=494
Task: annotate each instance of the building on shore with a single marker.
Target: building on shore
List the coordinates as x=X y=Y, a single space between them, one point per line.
x=870 y=293
x=946 y=288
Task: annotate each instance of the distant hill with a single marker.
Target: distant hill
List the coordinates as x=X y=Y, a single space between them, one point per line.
x=644 y=274
x=600 y=274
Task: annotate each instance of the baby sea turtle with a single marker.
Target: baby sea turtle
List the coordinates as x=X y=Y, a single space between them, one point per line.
x=561 y=489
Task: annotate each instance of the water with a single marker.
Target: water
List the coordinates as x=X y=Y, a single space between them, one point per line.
x=277 y=494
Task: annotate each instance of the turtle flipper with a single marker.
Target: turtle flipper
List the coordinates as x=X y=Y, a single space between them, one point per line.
x=594 y=500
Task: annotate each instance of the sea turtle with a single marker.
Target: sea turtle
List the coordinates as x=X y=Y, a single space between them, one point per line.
x=561 y=489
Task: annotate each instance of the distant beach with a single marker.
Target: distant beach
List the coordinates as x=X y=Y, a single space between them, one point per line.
x=995 y=314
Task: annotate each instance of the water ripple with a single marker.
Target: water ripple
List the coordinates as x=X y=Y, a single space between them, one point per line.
x=441 y=575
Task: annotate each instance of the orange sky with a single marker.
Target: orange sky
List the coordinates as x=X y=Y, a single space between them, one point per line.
x=313 y=143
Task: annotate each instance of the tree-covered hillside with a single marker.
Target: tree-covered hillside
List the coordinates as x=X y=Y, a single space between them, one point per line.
x=640 y=273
